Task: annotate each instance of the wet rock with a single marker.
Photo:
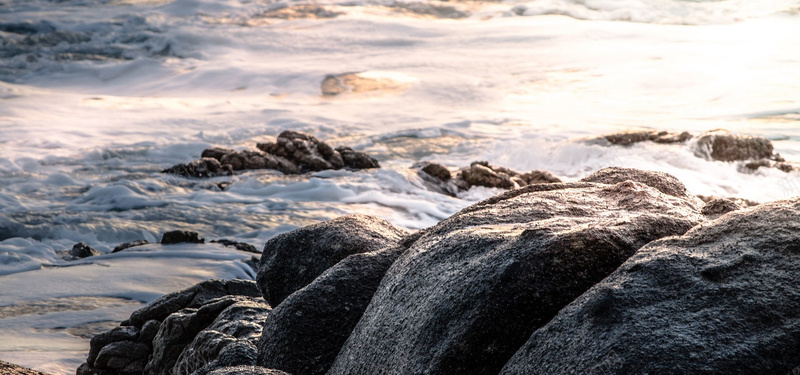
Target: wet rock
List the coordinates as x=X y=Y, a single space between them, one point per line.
x=128 y=245
x=629 y=138
x=216 y=153
x=724 y=146
x=785 y=167
x=249 y=160
x=81 y=250
x=721 y=299
x=241 y=322
x=718 y=207
x=471 y=290
x=292 y=260
x=306 y=151
x=665 y=183
x=357 y=159
x=305 y=332
x=181 y=236
x=120 y=355
x=480 y=173
x=118 y=334
x=437 y=171
x=539 y=177
x=201 y=168
x=238 y=245
x=239 y=353
x=246 y=370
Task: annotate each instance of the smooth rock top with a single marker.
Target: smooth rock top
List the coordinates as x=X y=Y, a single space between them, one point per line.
x=292 y=260
x=721 y=299
x=665 y=183
x=470 y=291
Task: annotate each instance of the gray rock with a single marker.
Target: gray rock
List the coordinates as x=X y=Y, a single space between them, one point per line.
x=481 y=173
x=238 y=245
x=128 y=245
x=664 y=182
x=119 y=355
x=81 y=250
x=215 y=153
x=306 y=151
x=721 y=299
x=249 y=160
x=292 y=260
x=437 y=171
x=629 y=138
x=240 y=322
x=305 y=332
x=246 y=370
x=201 y=168
x=357 y=159
x=98 y=342
x=724 y=146
x=239 y=353
x=718 y=207
x=470 y=291
x=181 y=236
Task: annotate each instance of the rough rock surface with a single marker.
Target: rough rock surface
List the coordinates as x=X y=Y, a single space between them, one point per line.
x=721 y=299
x=181 y=236
x=718 y=207
x=205 y=167
x=240 y=323
x=246 y=370
x=665 y=183
x=470 y=291
x=306 y=151
x=81 y=250
x=128 y=245
x=629 y=138
x=305 y=332
x=292 y=260
x=724 y=146
x=357 y=159
x=481 y=173
x=12 y=369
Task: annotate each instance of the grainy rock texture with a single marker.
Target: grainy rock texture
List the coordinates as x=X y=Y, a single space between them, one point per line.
x=470 y=291
x=724 y=146
x=665 y=183
x=721 y=299
x=629 y=138
x=81 y=250
x=305 y=332
x=292 y=260
x=304 y=150
x=248 y=159
x=718 y=207
x=128 y=245
x=205 y=167
x=12 y=369
x=181 y=236
x=357 y=159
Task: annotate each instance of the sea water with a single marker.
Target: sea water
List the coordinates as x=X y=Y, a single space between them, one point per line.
x=98 y=96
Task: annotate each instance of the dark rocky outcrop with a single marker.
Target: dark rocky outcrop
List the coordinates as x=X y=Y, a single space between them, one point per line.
x=356 y=159
x=292 y=260
x=157 y=331
x=201 y=168
x=238 y=245
x=12 y=369
x=81 y=250
x=724 y=146
x=128 y=245
x=480 y=173
x=305 y=332
x=181 y=236
x=248 y=160
x=629 y=138
x=470 y=290
x=246 y=370
x=721 y=299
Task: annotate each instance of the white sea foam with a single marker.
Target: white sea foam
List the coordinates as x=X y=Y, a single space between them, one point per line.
x=97 y=97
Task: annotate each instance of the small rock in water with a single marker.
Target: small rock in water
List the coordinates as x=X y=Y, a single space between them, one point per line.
x=723 y=146
x=128 y=245
x=438 y=171
x=357 y=159
x=238 y=245
x=181 y=236
x=205 y=167
x=81 y=250
x=629 y=138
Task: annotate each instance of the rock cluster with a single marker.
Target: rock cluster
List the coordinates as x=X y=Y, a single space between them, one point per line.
x=480 y=173
x=622 y=272
x=292 y=153
x=629 y=138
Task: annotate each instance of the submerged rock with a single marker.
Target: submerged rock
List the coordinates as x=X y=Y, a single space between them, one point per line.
x=357 y=159
x=470 y=290
x=201 y=168
x=181 y=236
x=292 y=260
x=629 y=138
x=305 y=332
x=724 y=146
x=128 y=245
x=238 y=245
x=81 y=250
x=721 y=299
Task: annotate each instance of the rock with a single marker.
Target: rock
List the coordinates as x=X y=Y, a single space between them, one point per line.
x=718 y=207
x=539 y=177
x=305 y=332
x=721 y=299
x=724 y=146
x=181 y=236
x=241 y=322
x=354 y=83
x=238 y=245
x=179 y=329
x=307 y=152
x=81 y=250
x=292 y=260
x=118 y=334
x=216 y=153
x=480 y=173
x=741 y=202
x=239 y=353
x=248 y=160
x=357 y=159
x=246 y=370
x=120 y=355
x=205 y=167
x=785 y=167
x=664 y=182
x=437 y=171
x=755 y=164
x=629 y=138
x=128 y=245
x=471 y=290
x=12 y=369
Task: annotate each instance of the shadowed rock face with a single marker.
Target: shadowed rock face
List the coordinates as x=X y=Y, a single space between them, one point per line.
x=292 y=260
x=305 y=332
x=468 y=293
x=721 y=299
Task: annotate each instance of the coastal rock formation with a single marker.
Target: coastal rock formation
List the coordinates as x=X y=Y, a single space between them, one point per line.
x=128 y=245
x=721 y=299
x=480 y=173
x=305 y=332
x=12 y=369
x=472 y=289
x=629 y=138
x=79 y=251
x=292 y=153
x=181 y=236
x=292 y=260
x=723 y=146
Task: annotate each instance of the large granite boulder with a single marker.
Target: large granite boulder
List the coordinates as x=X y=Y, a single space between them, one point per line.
x=471 y=290
x=292 y=260
x=721 y=299
x=305 y=332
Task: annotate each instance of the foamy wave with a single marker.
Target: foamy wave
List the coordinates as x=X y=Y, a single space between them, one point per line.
x=679 y=12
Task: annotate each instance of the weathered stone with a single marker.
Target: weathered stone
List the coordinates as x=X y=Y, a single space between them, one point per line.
x=118 y=355
x=239 y=353
x=117 y=334
x=482 y=174
x=81 y=250
x=539 y=177
x=304 y=150
x=238 y=245
x=12 y=369
x=246 y=370
x=470 y=291
x=305 y=332
x=205 y=167
x=248 y=160
x=724 y=146
x=357 y=159
x=721 y=299
x=629 y=138
x=215 y=153
x=181 y=236
x=664 y=182
x=128 y=245
x=719 y=207
x=437 y=171
x=755 y=164
x=292 y=260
